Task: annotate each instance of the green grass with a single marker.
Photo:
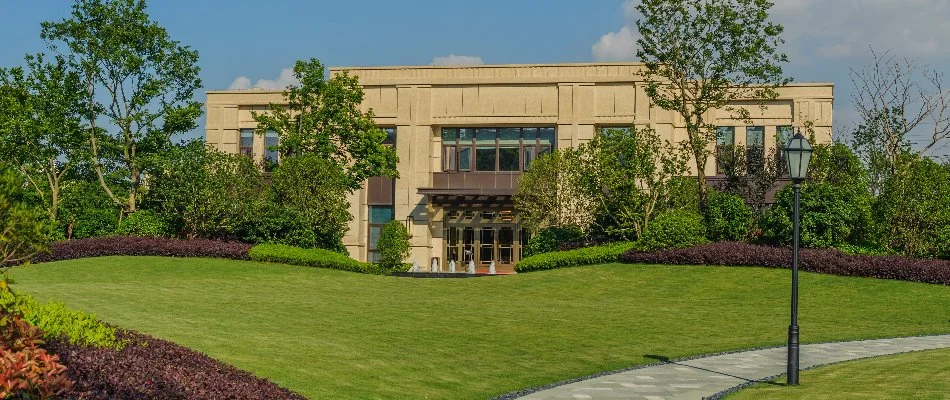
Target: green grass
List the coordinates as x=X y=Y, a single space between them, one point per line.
x=919 y=375
x=335 y=334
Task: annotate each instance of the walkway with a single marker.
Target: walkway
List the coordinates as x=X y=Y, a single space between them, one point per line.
x=703 y=377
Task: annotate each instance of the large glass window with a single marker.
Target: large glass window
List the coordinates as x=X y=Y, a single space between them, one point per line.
x=494 y=149
x=783 y=134
x=246 y=146
x=379 y=216
x=725 y=140
x=755 y=148
x=270 y=146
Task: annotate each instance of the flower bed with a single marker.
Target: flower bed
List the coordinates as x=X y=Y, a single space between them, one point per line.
x=825 y=261
x=150 y=368
x=143 y=246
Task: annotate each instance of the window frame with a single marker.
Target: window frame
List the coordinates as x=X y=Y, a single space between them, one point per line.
x=466 y=151
x=249 y=149
x=720 y=147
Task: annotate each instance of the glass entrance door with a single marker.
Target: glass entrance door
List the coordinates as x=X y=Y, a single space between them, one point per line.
x=482 y=238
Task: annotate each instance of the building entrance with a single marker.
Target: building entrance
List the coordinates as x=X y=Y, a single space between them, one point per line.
x=483 y=237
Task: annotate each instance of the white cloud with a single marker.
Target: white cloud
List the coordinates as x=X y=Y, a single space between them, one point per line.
x=285 y=79
x=616 y=46
x=453 y=59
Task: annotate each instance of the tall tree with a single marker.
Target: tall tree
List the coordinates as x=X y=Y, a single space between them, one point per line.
x=897 y=99
x=23 y=230
x=41 y=131
x=704 y=55
x=137 y=79
x=322 y=117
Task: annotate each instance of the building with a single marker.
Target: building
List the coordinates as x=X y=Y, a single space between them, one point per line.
x=464 y=133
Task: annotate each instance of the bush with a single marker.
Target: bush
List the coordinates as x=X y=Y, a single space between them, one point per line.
x=548 y=239
x=140 y=246
x=86 y=211
x=912 y=212
x=150 y=368
x=673 y=230
x=573 y=258
x=24 y=230
x=27 y=371
x=57 y=321
x=830 y=216
x=320 y=258
x=727 y=217
x=203 y=192
x=393 y=244
x=824 y=261
x=143 y=223
x=313 y=191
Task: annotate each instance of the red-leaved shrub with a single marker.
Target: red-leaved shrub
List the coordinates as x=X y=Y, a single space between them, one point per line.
x=143 y=246
x=150 y=368
x=824 y=261
x=26 y=369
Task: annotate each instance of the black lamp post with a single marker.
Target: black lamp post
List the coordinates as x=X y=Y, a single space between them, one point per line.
x=798 y=153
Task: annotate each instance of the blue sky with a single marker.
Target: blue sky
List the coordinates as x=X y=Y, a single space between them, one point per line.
x=256 y=40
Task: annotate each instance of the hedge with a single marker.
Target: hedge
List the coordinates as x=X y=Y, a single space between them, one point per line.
x=143 y=246
x=573 y=258
x=320 y=258
x=58 y=322
x=824 y=261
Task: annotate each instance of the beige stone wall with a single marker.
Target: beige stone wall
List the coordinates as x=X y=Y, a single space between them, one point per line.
x=574 y=98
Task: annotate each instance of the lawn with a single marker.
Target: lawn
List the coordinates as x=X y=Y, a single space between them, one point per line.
x=919 y=375
x=335 y=334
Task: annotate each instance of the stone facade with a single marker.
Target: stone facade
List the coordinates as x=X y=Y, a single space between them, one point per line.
x=575 y=99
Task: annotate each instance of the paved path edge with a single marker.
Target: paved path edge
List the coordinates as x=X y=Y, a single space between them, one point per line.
x=724 y=393
x=527 y=391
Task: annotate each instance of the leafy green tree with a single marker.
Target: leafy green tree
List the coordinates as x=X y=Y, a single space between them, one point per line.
x=136 y=77
x=314 y=189
x=86 y=210
x=41 y=130
x=913 y=210
x=751 y=178
x=322 y=118
x=831 y=216
x=704 y=55
x=728 y=217
x=838 y=165
x=631 y=175
x=393 y=245
x=551 y=193
x=23 y=229
x=203 y=192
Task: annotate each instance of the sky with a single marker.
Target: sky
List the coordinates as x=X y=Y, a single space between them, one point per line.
x=253 y=43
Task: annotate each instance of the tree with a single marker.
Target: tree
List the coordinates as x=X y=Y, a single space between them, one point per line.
x=631 y=175
x=23 y=229
x=550 y=193
x=203 y=192
x=895 y=98
x=41 y=130
x=704 y=55
x=750 y=177
x=913 y=210
x=147 y=81
x=393 y=244
x=322 y=118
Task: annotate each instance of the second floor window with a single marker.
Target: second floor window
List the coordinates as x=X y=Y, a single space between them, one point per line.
x=725 y=140
x=246 y=146
x=755 y=148
x=270 y=146
x=493 y=149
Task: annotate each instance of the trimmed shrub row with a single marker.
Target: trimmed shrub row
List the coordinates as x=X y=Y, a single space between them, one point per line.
x=58 y=322
x=825 y=261
x=150 y=368
x=143 y=246
x=573 y=258
x=319 y=258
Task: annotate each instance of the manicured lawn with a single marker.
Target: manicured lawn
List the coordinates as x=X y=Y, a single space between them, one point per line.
x=919 y=375
x=334 y=334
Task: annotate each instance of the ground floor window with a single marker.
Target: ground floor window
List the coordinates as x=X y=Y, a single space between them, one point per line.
x=379 y=216
x=483 y=236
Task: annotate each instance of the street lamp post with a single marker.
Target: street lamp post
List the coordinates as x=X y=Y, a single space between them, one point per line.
x=798 y=154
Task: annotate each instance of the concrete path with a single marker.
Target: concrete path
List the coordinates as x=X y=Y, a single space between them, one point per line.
x=704 y=377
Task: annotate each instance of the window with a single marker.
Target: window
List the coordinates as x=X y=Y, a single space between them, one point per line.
x=246 y=146
x=755 y=148
x=270 y=146
x=379 y=216
x=493 y=149
x=725 y=140
x=783 y=134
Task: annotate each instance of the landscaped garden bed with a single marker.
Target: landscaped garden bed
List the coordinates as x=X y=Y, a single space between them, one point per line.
x=143 y=246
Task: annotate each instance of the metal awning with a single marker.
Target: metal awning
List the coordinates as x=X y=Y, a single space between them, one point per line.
x=469 y=197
